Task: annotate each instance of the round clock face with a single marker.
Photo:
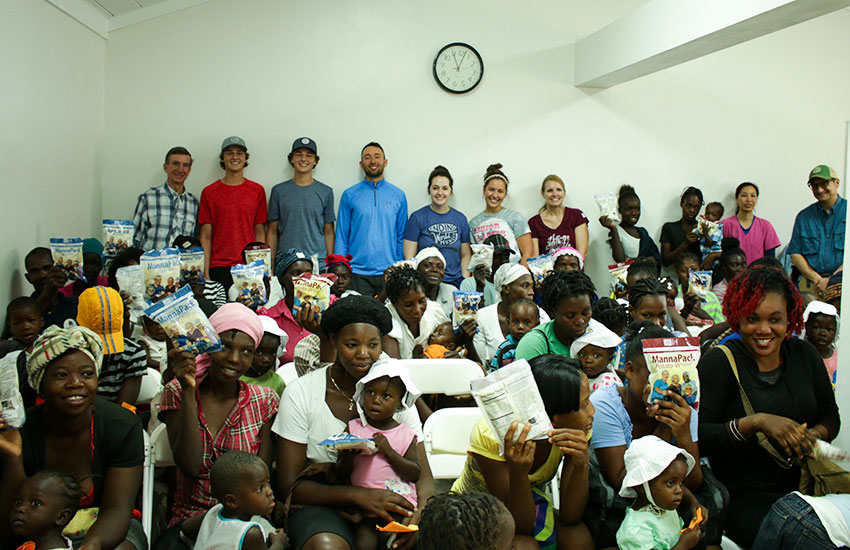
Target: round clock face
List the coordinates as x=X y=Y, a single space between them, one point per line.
x=458 y=68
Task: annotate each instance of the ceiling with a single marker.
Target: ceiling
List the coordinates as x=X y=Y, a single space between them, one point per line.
x=111 y=8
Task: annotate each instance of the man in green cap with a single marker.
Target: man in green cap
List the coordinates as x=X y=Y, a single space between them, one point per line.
x=817 y=242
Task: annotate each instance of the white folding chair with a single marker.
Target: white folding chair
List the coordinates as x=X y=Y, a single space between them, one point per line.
x=287 y=372
x=151 y=384
x=447 y=439
x=445 y=376
x=157 y=454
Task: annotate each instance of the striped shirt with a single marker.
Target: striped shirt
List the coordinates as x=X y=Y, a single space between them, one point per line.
x=117 y=367
x=214 y=292
x=255 y=406
x=162 y=215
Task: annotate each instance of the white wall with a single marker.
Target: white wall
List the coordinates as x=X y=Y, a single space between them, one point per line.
x=346 y=73
x=51 y=133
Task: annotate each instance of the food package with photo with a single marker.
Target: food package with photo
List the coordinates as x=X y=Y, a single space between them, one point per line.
x=248 y=280
x=192 y=265
x=117 y=237
x=672 y=364
x=161 y=272
x=68 y=254
x=184 y=323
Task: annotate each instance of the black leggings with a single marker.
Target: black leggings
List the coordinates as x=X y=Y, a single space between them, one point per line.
x=746 y=511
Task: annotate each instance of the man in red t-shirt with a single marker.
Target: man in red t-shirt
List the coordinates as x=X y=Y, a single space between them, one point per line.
x=232 y=213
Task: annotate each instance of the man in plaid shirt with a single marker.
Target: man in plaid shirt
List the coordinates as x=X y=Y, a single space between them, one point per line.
x=168 y=210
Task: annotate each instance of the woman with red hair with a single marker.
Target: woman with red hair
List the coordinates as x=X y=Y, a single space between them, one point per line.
x=787 y=385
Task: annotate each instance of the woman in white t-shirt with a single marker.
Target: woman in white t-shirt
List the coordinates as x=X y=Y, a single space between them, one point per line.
x=320 y=404
x=497 y=220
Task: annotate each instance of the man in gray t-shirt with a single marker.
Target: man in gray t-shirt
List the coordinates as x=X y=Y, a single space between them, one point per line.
x=301 y=210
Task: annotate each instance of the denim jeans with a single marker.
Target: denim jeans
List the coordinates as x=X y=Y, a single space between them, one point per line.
x=792 y=524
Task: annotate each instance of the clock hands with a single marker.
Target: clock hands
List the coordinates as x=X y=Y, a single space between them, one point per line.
x=457 y=65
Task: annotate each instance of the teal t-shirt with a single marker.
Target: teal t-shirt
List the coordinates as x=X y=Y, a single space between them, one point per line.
x=645 y=530
x=541 y=341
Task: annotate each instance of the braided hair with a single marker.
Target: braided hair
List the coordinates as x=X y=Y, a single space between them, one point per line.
x=748 y=289
x=639 y=332
x=404 y=279
x=644 y=288
x=610 y=313
x=465 y=521
x=645 y=266
x=70 y=490
x=563 y=285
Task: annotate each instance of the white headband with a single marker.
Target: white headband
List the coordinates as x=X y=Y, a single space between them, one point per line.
x=430 y=252
x=508 y=273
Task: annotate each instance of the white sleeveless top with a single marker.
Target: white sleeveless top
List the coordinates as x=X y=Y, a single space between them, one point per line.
x=221 y=533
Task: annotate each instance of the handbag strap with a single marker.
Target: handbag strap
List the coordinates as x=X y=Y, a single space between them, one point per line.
x=784 y=462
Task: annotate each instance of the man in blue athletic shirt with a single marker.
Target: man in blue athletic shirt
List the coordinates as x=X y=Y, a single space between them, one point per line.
x=370 y=223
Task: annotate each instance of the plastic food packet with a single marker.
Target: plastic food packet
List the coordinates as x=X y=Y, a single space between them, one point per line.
x=347 y=442
x=482 y=256
x=130 y=281
x=541 y=266
x=466 y=306
x=68 y=254
x=161 y=272
x=510 y=395
x=699 y=282
x=248 y=280
x=184 y=323
x=619 y=272
x=607 y=203
x=11 y=402
x=192 y=265
x=823 y=449
x=705 y=226
x=260 y=252
x=396 y=527
x=117 y=236
x=672 y=364
x=311 y=290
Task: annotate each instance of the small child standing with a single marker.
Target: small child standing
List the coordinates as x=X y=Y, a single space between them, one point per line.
x=523 y=316
x=24 y=321
x=383 y=392
x=441 y=341
x=709 y=243
x=595 y=350
x=822 y=322
x=655 y=475
x=240 y=482
x=263 y=371
x=44 y=505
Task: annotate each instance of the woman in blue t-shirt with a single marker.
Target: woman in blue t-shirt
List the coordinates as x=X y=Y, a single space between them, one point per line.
x=440 y=225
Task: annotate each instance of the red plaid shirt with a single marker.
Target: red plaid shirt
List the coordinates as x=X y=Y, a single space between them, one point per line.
x=254 y=406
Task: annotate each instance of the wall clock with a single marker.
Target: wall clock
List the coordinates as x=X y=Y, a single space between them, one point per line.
x=458 y=68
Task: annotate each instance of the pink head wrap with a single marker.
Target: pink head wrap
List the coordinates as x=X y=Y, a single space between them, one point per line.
x=235 y=316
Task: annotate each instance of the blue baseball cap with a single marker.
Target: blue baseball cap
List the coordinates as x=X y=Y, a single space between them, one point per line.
x=304 y=143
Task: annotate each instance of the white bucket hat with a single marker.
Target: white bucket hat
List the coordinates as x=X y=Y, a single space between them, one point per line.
x=645 y=459
x=394 y=369
x=825 y=309
x=596 y=334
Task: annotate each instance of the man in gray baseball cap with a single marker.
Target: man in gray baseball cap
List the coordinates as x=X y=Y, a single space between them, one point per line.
x=232 y=213
x=301 y=210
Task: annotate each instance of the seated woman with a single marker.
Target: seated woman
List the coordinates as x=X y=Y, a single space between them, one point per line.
x=431 y=263
x=519 y=478
x=288 y=265
x=623 y=414
x=514 y=282
x=95 y=441
x=785 y=380
x=627 y=240
x=733 y=260
x=414 y=316
x=320 y=404
x=567 y=295
x=208 y=410
x=556 y=225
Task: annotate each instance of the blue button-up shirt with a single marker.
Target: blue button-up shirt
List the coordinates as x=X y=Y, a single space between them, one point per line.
x=819 y=236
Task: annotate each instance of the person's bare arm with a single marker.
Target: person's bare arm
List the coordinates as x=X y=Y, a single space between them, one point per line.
x=617 y=251
x=390 y=346
x=182 y=425
x=525 y=247
x=11 y=451
x=582 y=238
x=406 y=466
x=329 y=235
x=806 y=271
x=535 y=247
x=409 y=249
x=266 y=450
x=613 y=465
x=120 y=487
x=260 y=232
x=465 y=256
x=271 y=238
x=206 y=241
x=129 y=392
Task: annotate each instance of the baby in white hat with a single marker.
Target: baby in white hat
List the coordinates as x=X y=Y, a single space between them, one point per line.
x=655 y=476
x=595 y=349
x=385 y=390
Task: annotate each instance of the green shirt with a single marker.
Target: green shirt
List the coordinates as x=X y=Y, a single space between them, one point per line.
x=712 y=306
x=270 y=379
x=541 y=341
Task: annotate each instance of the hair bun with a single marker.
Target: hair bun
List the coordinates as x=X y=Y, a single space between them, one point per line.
x=494 y=169
x=626 y=190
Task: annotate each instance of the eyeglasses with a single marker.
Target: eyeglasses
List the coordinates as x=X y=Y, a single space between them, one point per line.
x=822 y=183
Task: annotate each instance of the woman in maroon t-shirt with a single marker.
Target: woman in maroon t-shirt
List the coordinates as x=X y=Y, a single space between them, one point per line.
x=556 y=225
